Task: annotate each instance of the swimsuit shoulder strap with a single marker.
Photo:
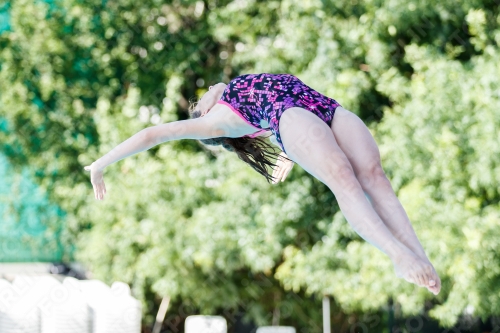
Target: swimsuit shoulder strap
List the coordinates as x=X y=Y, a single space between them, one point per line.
x=256 y=133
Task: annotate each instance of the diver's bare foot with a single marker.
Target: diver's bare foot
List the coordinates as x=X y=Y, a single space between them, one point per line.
x=436 y=287
x=416 y=270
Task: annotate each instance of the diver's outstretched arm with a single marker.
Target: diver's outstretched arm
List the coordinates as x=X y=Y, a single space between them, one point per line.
x=200 y=128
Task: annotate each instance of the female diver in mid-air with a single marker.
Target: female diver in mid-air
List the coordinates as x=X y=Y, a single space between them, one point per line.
x=342 y=154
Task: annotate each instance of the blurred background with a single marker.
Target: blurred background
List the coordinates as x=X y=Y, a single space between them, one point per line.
x=203 y=228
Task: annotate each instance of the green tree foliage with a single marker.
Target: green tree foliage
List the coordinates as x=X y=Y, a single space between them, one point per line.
x=59 y=60
x=78 y=78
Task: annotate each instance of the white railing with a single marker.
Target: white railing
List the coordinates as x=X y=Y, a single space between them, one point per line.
x=205 y=324
x=42 y=304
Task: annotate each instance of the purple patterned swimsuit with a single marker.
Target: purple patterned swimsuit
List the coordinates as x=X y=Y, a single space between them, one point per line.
x=261 y=99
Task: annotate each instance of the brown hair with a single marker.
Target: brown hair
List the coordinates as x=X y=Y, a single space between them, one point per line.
x=254 y=151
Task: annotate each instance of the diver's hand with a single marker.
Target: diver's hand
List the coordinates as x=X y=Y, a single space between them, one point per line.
x=97 y=180
x=282 y=168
